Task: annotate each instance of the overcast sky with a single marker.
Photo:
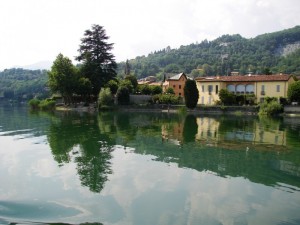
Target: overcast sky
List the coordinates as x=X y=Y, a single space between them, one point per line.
x=38 y=30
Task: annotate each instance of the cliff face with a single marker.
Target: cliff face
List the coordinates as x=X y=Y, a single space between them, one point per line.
x=288 y=49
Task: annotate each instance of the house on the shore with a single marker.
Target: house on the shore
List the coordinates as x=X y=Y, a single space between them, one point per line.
x=176 y=82
x=150 y=80
x=259 y=85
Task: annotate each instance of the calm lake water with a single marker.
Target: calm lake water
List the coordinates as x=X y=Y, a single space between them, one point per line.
x=148 y=169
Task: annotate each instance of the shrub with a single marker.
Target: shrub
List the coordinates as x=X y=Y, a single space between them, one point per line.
x=270 y=108
x=270 y=99
x=155 y=98
x=294 y=92
x=123 y=95
x=170 y=91
x=34 y=104
x=127 y=83
x=144 y=89
x=226 y=97
x=47 y=105
x=250 y=99
x=283 y=101
x=113 y=86
x=105 y=98
x=132 y=80
x=155 y=89
x=168 y=99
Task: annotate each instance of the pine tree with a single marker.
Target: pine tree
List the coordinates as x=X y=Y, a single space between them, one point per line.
x=99 y=65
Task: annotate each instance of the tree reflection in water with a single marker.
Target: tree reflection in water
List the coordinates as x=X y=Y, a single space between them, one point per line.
x=77 y=137
x=254 y=148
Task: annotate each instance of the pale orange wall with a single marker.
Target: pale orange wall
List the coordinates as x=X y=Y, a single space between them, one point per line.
x=177 y=86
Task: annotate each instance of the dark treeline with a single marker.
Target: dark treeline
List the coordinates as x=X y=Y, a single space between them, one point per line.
x=268 y=53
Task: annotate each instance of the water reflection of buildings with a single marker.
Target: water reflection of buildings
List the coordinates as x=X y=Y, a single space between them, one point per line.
x=253 y=132
x=172 y=132
x=230 y=133
x=208 y=130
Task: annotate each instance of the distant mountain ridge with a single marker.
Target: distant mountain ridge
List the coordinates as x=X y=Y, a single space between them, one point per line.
x=277 y=52
x=41 y=65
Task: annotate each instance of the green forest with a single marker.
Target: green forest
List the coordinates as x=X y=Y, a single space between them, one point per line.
x=21 y=84
x=263 y=54
x=277 y=52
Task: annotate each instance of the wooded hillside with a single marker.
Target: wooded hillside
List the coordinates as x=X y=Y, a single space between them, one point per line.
x=20 y=83
x=274 y=52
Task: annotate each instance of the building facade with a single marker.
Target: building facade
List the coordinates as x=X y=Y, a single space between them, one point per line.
x=260 y=86
x=176 y=82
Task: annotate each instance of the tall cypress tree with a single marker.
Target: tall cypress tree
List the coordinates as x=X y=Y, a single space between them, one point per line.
x=99 y=65
x=191 y=94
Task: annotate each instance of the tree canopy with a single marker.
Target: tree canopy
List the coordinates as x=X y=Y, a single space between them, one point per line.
x=63 y=77
x=99 y=65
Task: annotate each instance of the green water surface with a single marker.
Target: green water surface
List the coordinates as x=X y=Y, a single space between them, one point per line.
x=147 y=168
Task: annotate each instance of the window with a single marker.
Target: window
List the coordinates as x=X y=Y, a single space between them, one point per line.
x=174 y=86
x=278 y=88
x=210 y=88
x=202 y=88
x=179 y=86
x=217 y=89
x=262 y=90
x=179 y=94
x=202 y=100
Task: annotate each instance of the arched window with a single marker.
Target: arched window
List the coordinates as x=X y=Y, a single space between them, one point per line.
x=231 y=88
x=249 y=89
x=240 y=89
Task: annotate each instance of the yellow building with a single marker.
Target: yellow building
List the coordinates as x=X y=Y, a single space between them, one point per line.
x=176 y=82
x=259 y=85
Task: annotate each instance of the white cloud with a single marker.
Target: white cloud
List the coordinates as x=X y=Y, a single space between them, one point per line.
x=36 y=30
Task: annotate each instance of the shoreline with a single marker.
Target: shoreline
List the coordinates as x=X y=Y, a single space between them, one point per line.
x=199 y=110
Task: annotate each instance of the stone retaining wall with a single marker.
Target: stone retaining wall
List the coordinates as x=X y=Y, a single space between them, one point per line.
x=291 y=109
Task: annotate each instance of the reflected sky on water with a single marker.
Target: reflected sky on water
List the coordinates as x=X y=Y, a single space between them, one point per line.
x=139 y=168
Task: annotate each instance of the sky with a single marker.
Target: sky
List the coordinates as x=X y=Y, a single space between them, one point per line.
x=38 y=30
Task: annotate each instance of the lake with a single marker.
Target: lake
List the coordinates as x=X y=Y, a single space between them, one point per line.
x=147 y=168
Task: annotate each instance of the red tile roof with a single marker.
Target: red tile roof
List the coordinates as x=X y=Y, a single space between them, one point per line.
x=247 y=78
